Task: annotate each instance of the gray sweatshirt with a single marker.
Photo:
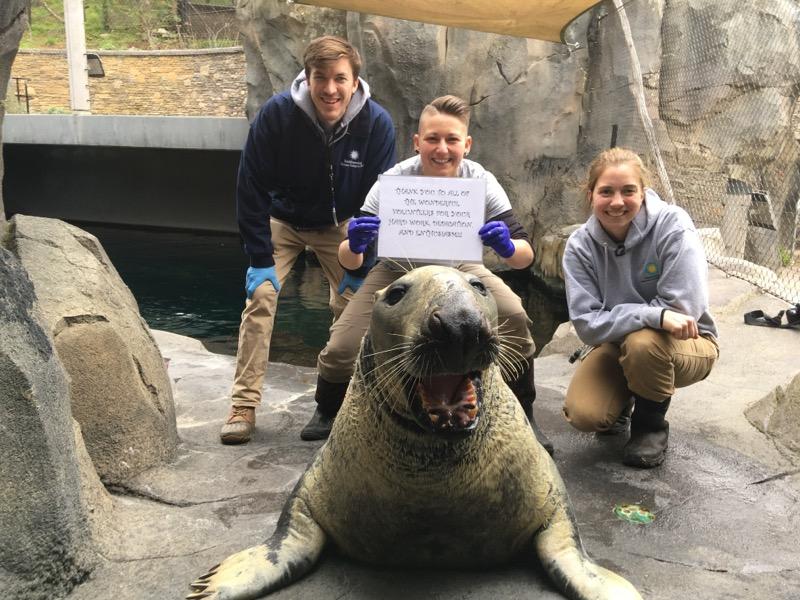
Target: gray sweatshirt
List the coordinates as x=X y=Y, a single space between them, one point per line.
x=616 y=288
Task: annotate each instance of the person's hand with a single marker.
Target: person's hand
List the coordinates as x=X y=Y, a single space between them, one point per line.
x=680 y=326
x=361 y=232
x=495 y=234
x=258 y=275
x=350 y=281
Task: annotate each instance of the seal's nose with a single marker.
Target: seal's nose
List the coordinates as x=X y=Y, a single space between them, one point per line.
x=461 y=332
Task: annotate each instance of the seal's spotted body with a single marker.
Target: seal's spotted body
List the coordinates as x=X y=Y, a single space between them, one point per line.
x=431 y=461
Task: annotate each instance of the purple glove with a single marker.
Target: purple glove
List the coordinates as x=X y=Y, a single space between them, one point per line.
x=361 y=231
x=495 y=234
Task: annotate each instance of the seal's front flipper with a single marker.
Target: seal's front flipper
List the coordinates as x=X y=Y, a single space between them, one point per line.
x=576 y=575
x=285 y=557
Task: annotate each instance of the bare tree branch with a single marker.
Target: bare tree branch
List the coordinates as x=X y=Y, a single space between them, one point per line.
x=52 y=13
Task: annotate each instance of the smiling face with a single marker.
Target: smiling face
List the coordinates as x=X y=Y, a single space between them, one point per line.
x=332 y=86
x=617 y=198
x=442 y=142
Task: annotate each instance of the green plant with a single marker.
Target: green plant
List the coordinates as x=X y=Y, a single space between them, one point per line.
x=12 y=104
x=786 y=256
x=57 y=110
x=211 y=42
x=125 y=23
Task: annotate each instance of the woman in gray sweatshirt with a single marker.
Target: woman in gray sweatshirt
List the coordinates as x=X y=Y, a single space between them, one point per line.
x=637 y=291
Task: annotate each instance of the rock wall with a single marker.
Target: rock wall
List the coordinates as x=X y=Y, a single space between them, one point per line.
x=542 y=110
x=191 y=82
x=721 y=82
x=526 y=94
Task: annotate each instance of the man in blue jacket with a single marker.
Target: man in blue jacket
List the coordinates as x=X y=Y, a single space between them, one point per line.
x=311 y=156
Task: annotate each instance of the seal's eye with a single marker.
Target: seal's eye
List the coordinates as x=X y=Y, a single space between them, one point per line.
x=478 y=285
x=394 y=295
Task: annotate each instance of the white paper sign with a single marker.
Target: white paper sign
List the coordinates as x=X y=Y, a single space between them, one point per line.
x=431 y=219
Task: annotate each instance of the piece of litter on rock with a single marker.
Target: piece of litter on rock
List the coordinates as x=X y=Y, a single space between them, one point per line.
x=633 y=513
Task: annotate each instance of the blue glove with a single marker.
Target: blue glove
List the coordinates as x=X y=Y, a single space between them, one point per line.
x=361 y=231
x=258 y=275
x=350 y=281
x=495 y=234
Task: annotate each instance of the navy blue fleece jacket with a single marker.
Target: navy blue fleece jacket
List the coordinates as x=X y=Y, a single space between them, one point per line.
x=293 y=170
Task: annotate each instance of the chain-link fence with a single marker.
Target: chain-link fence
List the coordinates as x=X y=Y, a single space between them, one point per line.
x=714 y=112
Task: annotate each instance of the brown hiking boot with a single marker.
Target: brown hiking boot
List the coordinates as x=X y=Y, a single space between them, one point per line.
x=239 y=426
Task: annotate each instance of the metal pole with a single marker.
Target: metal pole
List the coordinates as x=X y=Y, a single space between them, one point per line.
x=76 y=56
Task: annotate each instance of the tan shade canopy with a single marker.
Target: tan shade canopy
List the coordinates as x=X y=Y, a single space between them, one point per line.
x=538 y=19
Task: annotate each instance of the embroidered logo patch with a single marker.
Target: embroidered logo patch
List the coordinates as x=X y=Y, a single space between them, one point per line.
x=650 y=271
x=352 y=160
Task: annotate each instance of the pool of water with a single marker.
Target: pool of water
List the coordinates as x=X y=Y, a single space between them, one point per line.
x=193 y=284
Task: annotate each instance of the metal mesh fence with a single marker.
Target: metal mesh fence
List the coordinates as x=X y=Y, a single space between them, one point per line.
x=721 y=116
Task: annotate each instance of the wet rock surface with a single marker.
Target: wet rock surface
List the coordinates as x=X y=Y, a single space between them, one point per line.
x=724 y=501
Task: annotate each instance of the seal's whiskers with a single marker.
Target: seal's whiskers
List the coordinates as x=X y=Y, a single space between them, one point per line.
x=401 y=363
x=403 y=346
x=511 y=360
x=389 y=381
x=400 y=266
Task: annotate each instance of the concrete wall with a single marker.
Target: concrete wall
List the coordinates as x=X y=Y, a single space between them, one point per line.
x=195 y=133
x=192 y=189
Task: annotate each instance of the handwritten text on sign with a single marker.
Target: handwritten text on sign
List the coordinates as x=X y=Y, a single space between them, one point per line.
x=433 y=219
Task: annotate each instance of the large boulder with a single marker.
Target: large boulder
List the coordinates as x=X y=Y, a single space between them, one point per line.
x=778 y=416
x=120 y=391
x=13 y=21
x=45 y=546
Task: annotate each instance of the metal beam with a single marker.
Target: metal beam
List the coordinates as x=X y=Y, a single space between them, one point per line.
x=76 y=56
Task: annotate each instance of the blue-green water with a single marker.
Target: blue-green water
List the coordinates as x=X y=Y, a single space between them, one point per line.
x=193 y=284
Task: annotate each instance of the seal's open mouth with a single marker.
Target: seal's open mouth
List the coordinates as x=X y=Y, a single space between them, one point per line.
x=447 y=403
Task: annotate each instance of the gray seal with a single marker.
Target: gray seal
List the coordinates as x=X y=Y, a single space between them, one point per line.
x=430 y=461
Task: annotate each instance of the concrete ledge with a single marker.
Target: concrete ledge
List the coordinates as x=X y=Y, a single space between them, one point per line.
x=197 y=133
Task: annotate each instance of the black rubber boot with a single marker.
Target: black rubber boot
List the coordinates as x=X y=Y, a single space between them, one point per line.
x=647 y=446
x=621 y=425
x=329 y=397
x=525 y=391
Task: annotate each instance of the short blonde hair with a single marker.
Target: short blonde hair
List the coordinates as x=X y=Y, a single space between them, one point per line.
x=327 y=49
x=611 y=158
x=448 y=105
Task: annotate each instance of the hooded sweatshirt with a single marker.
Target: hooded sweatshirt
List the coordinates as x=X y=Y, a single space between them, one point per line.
x=294 y=170
x=615 y=288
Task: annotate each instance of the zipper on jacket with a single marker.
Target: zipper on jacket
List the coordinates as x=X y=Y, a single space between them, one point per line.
x=333 y=190
x=330 y=141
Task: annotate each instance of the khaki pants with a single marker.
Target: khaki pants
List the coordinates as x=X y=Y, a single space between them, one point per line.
x=649 y=363
x=258 y=316
x=337 y=360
